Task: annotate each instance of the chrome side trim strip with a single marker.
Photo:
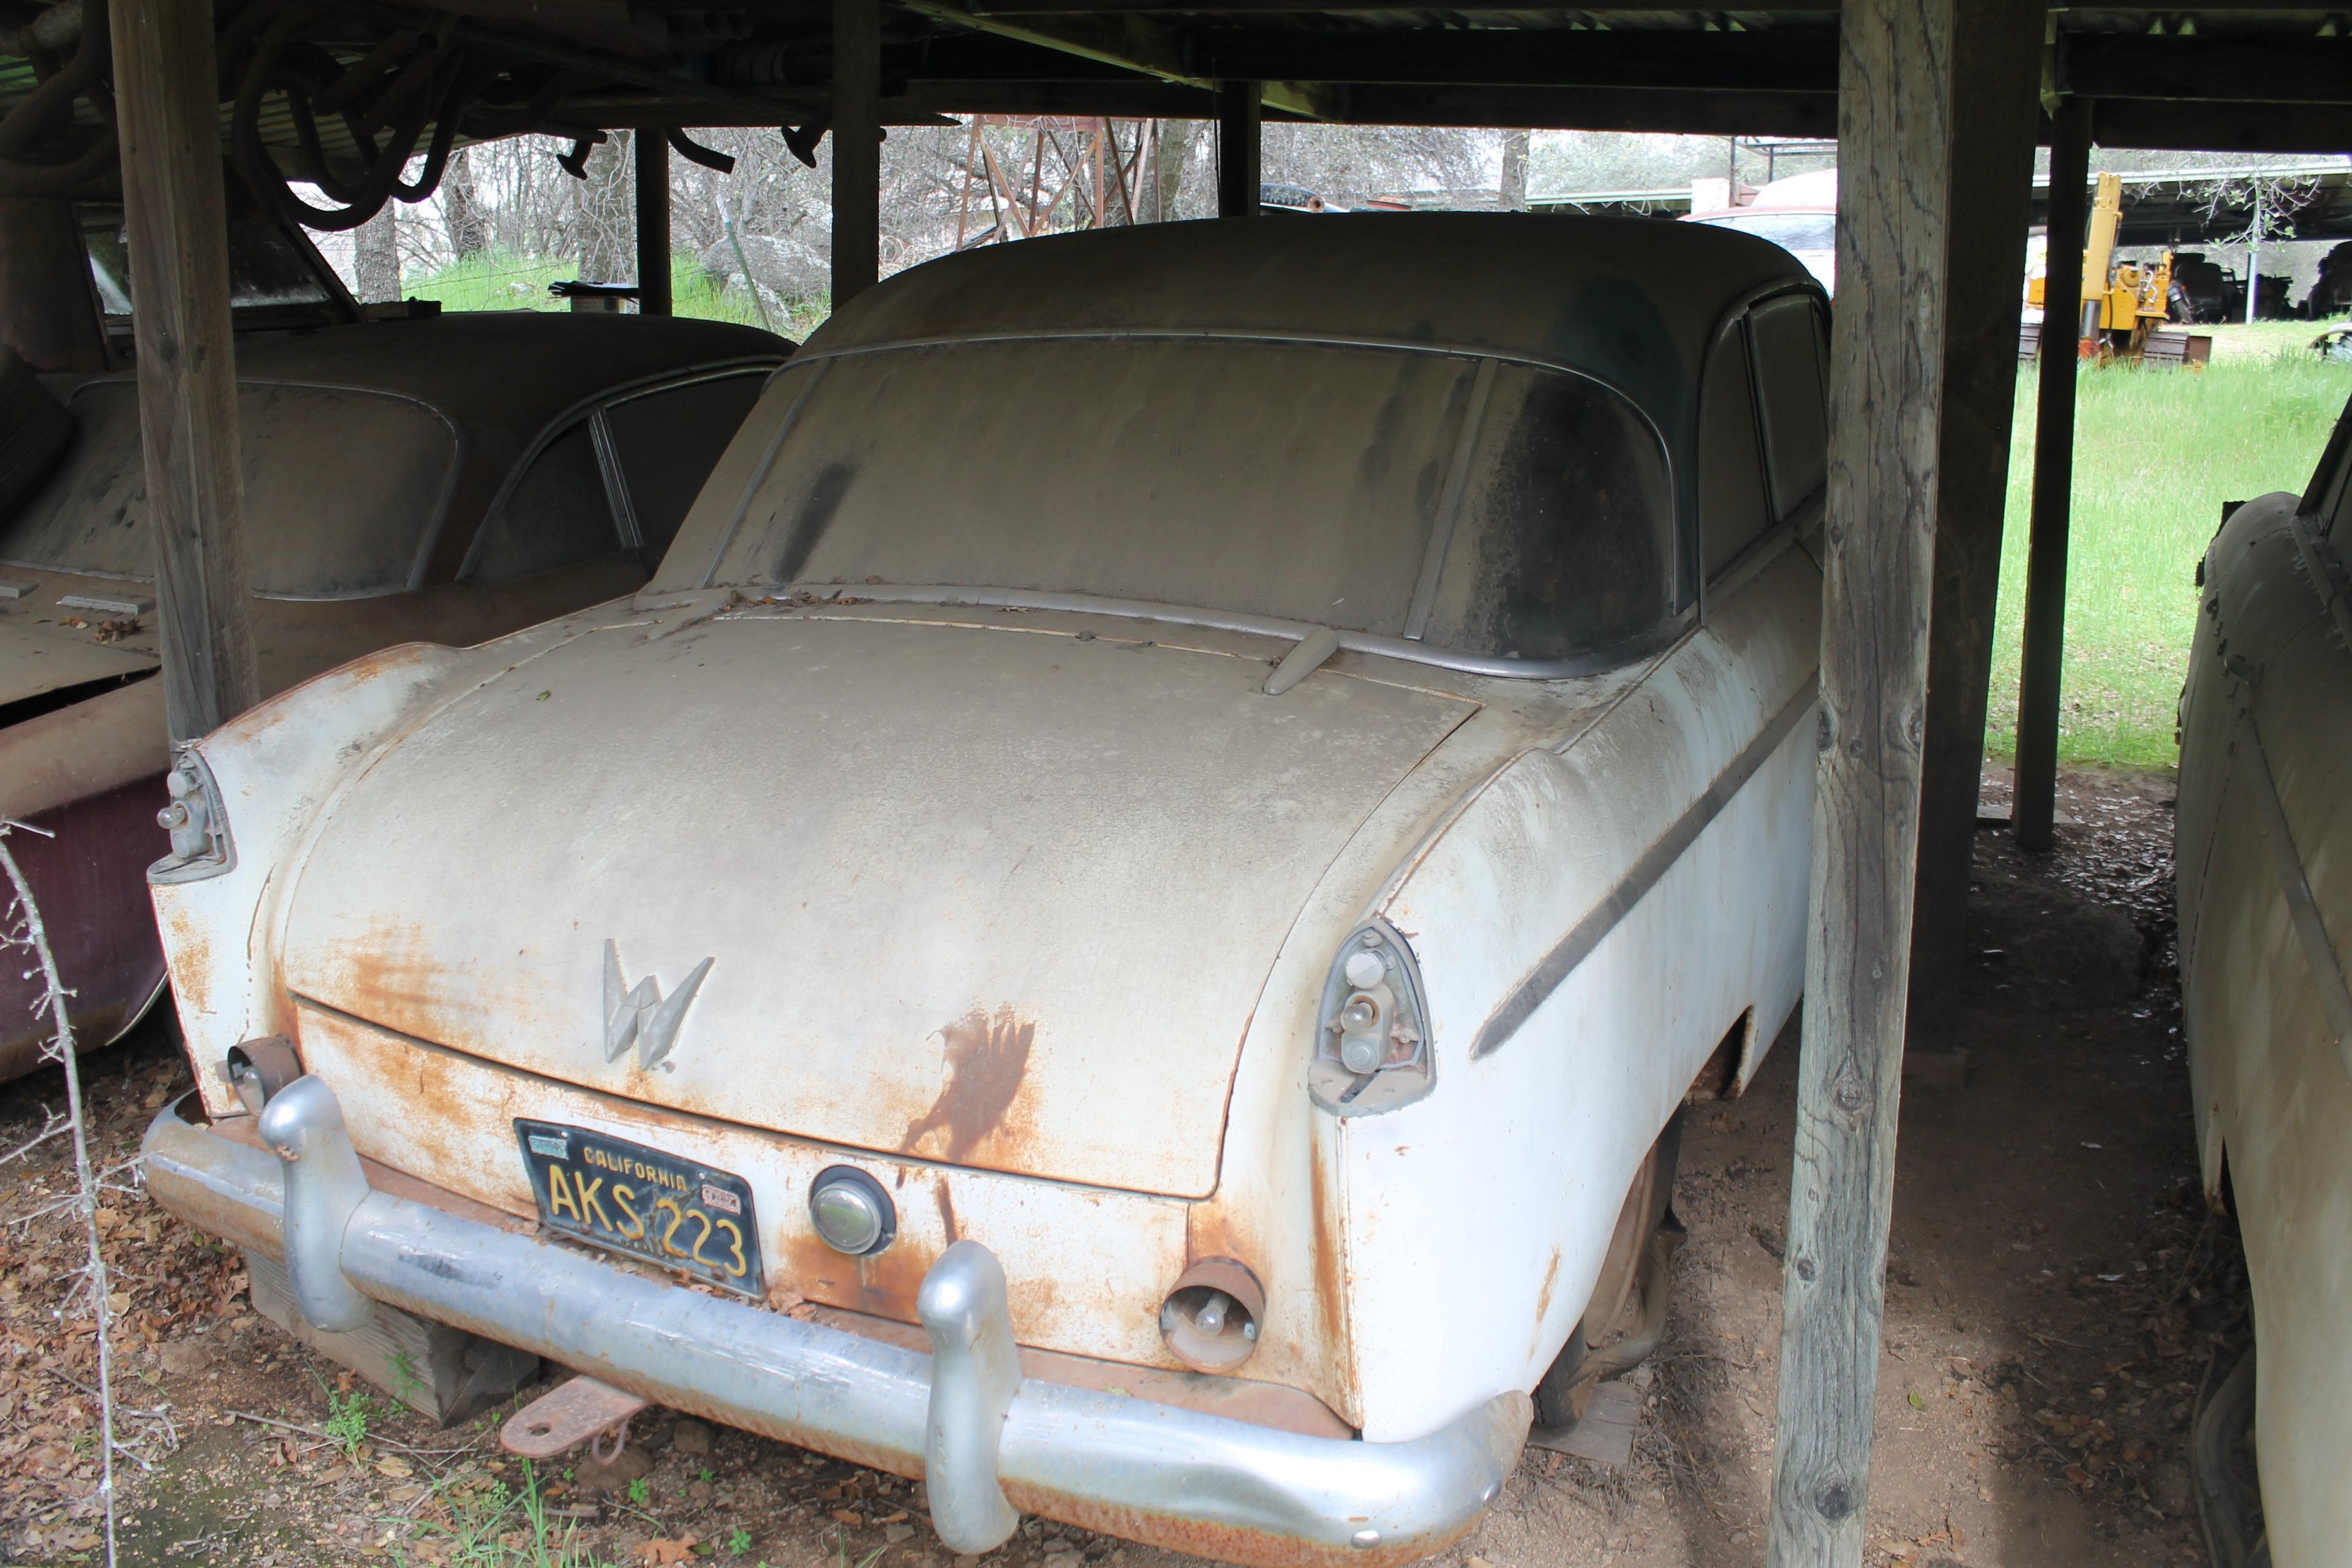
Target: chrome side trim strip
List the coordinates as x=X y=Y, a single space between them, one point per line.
x=1655 y=861
x=623 y=505
x=2302 y=907
x=1610 y=658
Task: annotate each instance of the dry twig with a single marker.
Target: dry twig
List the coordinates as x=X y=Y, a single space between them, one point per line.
x=27 y=930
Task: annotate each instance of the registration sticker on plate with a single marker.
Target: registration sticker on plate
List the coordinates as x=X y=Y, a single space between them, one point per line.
x=642 y=1202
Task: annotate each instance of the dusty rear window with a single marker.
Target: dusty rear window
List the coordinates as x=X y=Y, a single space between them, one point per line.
x=341 y=490
x=1292 y=480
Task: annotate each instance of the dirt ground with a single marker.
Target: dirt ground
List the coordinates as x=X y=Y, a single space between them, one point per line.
x=2056 y=1295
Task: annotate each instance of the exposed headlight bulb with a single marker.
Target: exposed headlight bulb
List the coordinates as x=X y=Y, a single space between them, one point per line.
x=1362 y=1045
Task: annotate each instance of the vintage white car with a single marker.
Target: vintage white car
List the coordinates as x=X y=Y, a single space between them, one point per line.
x=1122 y=925
x=2265 y=897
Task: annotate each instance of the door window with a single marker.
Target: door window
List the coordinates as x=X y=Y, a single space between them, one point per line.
x=554 y=515
x=1786 y=334
x=1731 y=500
x=667 y=442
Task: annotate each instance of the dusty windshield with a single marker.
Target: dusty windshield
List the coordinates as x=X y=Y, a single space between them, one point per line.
x=1299 y=480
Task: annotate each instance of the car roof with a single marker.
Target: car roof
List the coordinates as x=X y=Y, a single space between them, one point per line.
x=1634 y=302
x=517 y=370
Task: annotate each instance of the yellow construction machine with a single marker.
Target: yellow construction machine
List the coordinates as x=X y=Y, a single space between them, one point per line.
x=2122 y=304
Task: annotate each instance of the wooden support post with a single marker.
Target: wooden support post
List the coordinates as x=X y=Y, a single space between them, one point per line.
x=1996 y=113
x=653 y=223
x=856 y=148
x=1896 y=174
x=2036 y=797
x=1240 y=105
x=166 y=85
x=47 y=311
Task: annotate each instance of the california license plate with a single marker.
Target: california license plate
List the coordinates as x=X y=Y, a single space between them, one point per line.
x=630 y=1199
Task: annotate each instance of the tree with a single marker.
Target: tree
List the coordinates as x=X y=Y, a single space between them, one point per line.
x=375 y=256
x=603 y=216
x=461 y=209
x=1512 y=189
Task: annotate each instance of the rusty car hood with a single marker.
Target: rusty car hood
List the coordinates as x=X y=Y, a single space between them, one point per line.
x=995 y=896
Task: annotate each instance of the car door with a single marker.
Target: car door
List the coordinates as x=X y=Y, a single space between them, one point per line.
x=2265 y=819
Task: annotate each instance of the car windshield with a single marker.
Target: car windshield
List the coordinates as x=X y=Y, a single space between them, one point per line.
x=1300 y=480
x=341 y=489
x=1790 y=231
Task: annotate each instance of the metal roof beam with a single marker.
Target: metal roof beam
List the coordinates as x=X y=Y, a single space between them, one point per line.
x=2247 y=70
x=1736 y=62
x=2222 y=127
x=1689 y=114
x=1133 y=42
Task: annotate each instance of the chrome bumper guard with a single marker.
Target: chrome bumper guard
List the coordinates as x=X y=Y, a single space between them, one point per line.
x=986 y=1439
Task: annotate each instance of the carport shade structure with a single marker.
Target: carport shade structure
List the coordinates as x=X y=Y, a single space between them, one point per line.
x=1935 y=105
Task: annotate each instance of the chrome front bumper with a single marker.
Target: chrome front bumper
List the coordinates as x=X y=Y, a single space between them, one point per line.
x=987 y=1440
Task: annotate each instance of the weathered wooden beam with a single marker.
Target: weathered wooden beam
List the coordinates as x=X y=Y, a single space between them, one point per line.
x=1132 y=42
x=1130 y=99
x=1773 y=61
x=1996 y=67
x=856 y=148
x=2305 y=69
x=653 y=223
x=1239 y=113
x=1688 y=113
x=2034 y=810
x=2222 y=127
x=1247 y=7
x=166 y=87
x=48 y=313
x=1887 y=391
x=2314 y=16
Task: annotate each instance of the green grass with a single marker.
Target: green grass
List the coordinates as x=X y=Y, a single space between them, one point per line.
x=498 y=280
x=2156 y=452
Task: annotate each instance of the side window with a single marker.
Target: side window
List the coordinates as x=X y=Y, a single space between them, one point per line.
x=2328 y=498
x=556 y=515
x=1731 y=507
x=1787 y=337
x=666 y=441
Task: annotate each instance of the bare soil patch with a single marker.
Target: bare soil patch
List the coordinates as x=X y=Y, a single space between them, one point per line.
x=2056 y=1294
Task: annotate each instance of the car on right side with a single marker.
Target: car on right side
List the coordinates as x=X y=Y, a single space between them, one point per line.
x=2264 y=856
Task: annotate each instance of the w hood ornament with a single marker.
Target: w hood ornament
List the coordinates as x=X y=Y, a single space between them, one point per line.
x=640 y=1014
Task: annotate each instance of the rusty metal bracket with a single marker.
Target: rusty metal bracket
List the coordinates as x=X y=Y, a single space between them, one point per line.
x=580 y=1411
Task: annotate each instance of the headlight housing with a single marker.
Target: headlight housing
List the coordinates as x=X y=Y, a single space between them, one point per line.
x=1371 y=1040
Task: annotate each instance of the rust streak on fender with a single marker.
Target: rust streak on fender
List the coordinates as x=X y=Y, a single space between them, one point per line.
x=1330 y=1271
x=987 y=1060
x=1543 y=1297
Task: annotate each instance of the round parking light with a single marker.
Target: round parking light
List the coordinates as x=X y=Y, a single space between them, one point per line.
x=852 y=1212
